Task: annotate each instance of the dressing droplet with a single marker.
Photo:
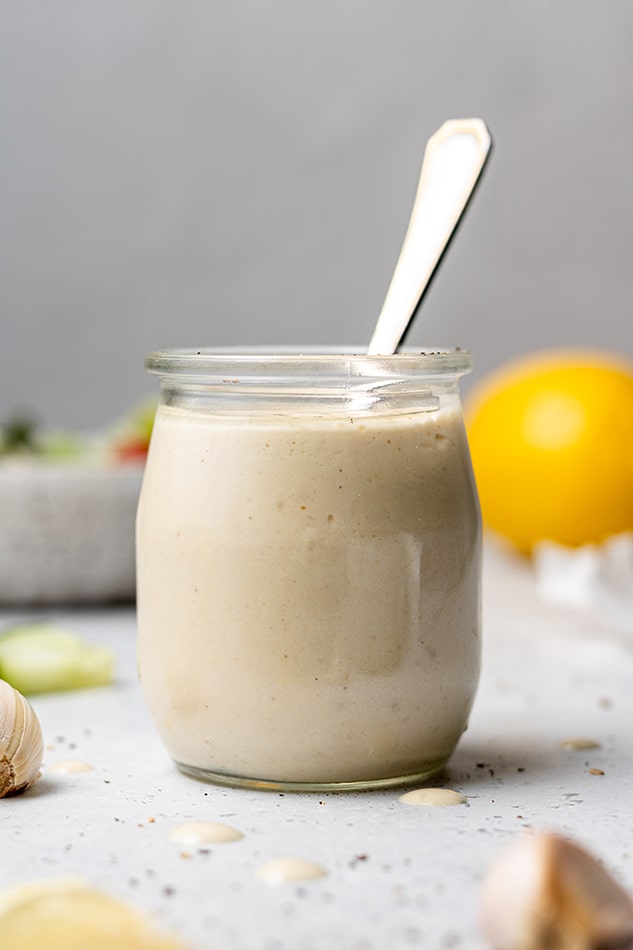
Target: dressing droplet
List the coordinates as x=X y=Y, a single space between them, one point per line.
x=437 y=797
x=288 y=870
x=71 y=767
x=204 y=832
x=579 y=744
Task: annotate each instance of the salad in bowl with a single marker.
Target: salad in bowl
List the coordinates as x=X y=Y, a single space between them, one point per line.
x=67 y=510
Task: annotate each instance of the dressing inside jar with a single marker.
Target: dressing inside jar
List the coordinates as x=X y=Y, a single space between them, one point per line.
x=308 y=566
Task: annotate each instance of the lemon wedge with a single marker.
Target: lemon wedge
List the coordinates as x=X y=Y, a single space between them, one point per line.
x=67 y=914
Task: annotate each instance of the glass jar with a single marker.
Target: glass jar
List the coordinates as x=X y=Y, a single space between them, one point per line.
x=308 y=566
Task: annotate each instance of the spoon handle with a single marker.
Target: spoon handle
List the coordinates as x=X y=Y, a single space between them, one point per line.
x=453 y=161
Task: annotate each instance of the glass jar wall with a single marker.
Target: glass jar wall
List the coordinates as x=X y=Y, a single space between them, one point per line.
x=308 y=558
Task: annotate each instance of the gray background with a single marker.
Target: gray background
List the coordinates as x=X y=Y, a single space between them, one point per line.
x=200 y=173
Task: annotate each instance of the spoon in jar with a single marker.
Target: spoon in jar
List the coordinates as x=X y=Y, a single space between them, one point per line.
x=454 y=159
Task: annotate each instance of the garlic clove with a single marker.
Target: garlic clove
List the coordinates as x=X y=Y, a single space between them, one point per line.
x=545 y=891
x=21 y=742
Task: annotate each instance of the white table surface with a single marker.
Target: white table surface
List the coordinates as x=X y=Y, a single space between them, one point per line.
x=399 y=876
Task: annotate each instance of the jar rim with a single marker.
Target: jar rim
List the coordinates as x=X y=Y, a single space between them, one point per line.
x=307 y=360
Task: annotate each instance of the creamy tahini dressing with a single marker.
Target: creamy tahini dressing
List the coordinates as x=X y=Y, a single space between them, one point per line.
x=579 y=744
x=287 y=870
x=70 y=767
x=433 y=797
x=308 y=593
x=204 y=832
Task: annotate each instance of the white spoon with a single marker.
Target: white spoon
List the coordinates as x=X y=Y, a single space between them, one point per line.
x=453 y=161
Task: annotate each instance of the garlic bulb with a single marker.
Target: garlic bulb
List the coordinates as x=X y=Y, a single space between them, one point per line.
x=21 y=742
x=545 y=891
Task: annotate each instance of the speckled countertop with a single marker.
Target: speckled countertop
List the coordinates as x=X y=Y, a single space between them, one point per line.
x=399 y=876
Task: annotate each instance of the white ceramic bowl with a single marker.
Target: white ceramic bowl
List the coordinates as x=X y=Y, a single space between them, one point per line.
x=67 y=532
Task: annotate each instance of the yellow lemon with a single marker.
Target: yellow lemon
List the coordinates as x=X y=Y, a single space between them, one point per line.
x=66 y=914
x=551 y=437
